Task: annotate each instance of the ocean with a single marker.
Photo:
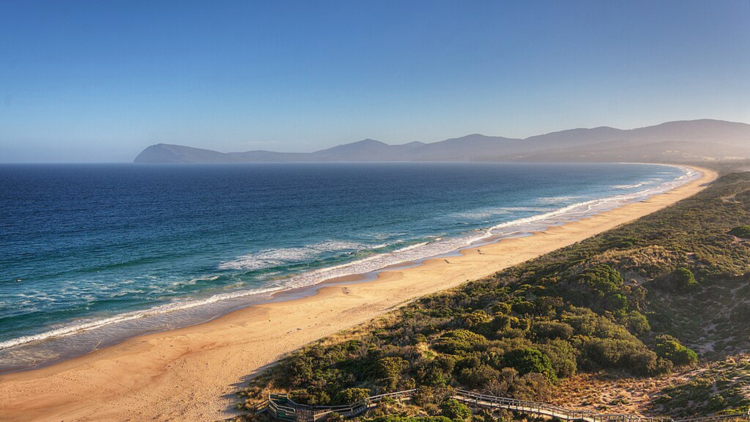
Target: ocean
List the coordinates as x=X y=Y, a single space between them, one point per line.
x=94 y=254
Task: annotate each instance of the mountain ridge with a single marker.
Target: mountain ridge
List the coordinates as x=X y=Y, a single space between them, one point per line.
x=676 y=141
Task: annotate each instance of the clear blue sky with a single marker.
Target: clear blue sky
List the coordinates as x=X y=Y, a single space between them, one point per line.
x=101 y=80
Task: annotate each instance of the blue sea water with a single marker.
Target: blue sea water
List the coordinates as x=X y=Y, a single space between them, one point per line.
x=93 y=254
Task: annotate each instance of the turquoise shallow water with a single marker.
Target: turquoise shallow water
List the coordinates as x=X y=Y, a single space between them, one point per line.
x=93 y=254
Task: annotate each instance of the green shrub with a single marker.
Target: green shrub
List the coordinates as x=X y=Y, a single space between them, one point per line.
x=351 y=395
x=437 y=372
x=459 y=340
x=394 y=418
x=602 y=279
x=602 y=285
x=684 y=278
x=636 y=322
x=312 y=397
x=452 y=409
x=547 y=306
x=552 y=330
x=627 y=354
x=388 y=371
x=741 y=231
x=562 y=355
x=334 y=417
x=500 y=308
x=740 y=313
x=670 y=348
x=478 y=377
x=529 y=360
x=523 y=307
x=476 y=318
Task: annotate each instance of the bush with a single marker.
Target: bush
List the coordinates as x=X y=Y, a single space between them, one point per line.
x=670 y=348
x=684 y=278
x=503 y=384
x=334 y=417
x=351 y=395
x=393 y=418
x=533 y=387
x=630 y=355
x=500 y=308
x=452 y=409
x=430 y=397
x=741 y=231
x=388 y=370
x=459 y=340
x=524 y=307
x=552 y=330
x=437 y=372
x=740 y=313
x=602 y=279
x=563 y=357
x=476 y=318
x=547 y=306
x=530 y=360
x=636 y=322
x=478 y=377
x=312 y=397
x=603 y=284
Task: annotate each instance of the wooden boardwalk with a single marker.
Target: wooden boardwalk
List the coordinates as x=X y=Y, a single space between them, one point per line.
x=281 y=407
x=546 y=409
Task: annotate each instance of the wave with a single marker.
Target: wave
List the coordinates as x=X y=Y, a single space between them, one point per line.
x=634 y=186
x=271 y=258
x=129 y=316
x=412 y=253
x=557 y=199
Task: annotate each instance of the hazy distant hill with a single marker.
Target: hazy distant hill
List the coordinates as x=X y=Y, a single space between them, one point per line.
x=695 y=140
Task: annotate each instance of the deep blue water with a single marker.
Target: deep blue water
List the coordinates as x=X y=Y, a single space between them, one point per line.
x=82 y=243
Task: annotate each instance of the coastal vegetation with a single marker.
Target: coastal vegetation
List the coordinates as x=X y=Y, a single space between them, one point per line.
x=659 y=296
x=714 y=388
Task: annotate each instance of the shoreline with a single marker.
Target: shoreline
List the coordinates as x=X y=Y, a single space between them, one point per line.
x=79 y=338
x=163 y=376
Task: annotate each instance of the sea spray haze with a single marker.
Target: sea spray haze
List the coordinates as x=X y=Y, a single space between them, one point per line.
x=93 y=254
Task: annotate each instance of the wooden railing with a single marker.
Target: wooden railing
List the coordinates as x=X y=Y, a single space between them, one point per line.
x=545 y=409
x=284 y=408
x=281 y=407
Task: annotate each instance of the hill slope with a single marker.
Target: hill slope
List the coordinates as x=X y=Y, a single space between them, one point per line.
x=622 y=309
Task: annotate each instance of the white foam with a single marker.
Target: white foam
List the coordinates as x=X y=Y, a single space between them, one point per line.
x=637 y=185
x=557 y=199
x=271 y=258
x=129 y=316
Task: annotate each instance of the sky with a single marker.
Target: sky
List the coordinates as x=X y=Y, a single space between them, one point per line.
x=98 y=81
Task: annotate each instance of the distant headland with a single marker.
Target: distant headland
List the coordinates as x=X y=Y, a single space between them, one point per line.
x=671 y=142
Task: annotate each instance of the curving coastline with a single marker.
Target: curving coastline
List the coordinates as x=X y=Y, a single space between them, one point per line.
x=83 y=336
x=149 y=370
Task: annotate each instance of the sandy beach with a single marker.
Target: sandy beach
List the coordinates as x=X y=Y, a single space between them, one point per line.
x=192 y=373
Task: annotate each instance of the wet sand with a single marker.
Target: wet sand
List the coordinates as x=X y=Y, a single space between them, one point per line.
x=191 y=373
